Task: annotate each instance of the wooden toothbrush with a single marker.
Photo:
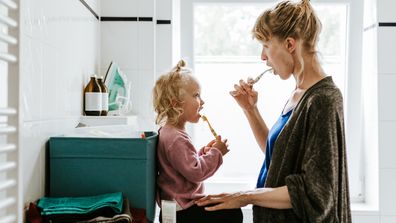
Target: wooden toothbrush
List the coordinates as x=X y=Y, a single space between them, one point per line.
x=210 y=126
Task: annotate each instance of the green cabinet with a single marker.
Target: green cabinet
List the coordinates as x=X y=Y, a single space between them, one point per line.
x=92 y=166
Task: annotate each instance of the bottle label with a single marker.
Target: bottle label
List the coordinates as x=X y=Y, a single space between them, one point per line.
x=93 y=101
x=105 y=101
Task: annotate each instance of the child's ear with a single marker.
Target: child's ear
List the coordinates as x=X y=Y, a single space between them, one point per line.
x=173 y=102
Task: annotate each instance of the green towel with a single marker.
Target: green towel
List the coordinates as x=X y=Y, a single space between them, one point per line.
x=80 y=205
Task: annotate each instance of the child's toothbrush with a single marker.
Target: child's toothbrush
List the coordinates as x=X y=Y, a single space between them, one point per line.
x=210 y=127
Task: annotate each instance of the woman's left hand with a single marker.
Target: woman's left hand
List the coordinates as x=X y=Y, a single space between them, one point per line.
x=222 y=201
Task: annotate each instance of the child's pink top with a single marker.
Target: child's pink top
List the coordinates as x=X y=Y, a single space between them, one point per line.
x=181 y=169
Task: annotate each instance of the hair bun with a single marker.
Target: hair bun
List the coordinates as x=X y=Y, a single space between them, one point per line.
x=181 y=64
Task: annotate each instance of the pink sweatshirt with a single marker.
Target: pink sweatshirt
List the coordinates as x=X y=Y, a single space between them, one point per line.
x=181 y=169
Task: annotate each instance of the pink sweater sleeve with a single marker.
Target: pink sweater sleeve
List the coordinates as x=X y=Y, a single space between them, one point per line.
x=193 y=166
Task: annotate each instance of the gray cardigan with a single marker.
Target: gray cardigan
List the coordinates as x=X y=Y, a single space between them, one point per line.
x=310 y=158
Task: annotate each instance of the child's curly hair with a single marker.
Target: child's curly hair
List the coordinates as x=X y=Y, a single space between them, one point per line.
x=167 y=94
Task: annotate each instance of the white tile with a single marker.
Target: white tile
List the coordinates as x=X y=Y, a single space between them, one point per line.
x=365 y=219
x=386 y=10
x=59 y=45
x=369 y=63
x=163 y=48
x=3 y=86
x=34 y=136
x=146 y=44
x=386 y=97
x=119 y=42
x=387 y=191
x=387 y=145
x=370 y=13
x=388 y=219
x=145 y=108
x=34 y=18
x=26 y=22
x=31 y=78
x=50 y=91
x=120 y=8
x=146 y=8
x=386 y=50
x=164 y=9
x=32 y=163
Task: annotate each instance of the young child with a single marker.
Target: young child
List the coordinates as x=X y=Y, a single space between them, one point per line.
x=181 y=169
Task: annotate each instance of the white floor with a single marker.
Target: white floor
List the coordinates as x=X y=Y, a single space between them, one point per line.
x=247 y=215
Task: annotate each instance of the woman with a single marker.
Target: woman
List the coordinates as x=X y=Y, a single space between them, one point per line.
x=304 y=176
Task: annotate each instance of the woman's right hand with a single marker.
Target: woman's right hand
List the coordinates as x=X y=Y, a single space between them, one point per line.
x=245 y=95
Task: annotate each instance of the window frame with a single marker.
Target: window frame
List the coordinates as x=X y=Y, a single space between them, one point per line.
x=353 y=82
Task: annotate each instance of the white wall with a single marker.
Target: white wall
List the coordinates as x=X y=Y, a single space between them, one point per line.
x=380 y=76
x=59 y=50
x=387 y=109
x=142 y=49
x=131 y=44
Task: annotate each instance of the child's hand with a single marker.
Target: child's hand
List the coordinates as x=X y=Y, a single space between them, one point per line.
x=206 y=148
x=221 y=145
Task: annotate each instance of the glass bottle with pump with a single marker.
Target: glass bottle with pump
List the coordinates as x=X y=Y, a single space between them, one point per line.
x=105 y=97
x=92 y=98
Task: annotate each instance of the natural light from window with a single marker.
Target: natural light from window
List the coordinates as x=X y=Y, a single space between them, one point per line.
x=224 y=53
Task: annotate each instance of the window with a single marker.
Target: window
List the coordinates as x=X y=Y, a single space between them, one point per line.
x=223 y=52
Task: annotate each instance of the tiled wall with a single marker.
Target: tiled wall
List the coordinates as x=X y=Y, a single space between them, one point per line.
x=137 y=35
x=59 y=50
x=387 y=108
x=379 y=69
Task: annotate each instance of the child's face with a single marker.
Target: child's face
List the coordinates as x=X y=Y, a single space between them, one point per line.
x=192 y=102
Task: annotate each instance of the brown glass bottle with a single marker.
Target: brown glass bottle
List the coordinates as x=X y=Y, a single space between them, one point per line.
x=92 y=98
x=105 y=97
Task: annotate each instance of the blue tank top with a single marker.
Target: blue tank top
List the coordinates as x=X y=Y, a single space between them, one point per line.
x=272 y=136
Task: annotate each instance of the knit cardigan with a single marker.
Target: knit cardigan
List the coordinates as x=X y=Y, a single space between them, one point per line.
x=310 y=159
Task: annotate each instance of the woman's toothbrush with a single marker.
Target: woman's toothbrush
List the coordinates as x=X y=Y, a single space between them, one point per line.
x=255 y=80
x=210 y=127
x=251 y=82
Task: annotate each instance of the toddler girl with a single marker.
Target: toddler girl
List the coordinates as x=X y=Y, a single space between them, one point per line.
x=181 y=169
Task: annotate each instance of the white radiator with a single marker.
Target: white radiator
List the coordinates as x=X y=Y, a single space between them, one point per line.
x=10 y=197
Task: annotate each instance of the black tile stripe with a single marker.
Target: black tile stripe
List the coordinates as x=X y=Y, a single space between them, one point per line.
x=382 y=24
x=90 y=9
x=160 y=22
x=106 y=19
x=127 y=19
x=145 y=19
x=133 y=19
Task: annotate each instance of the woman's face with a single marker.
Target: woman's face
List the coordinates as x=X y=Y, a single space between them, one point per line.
x=192 y=102
x=276 y=54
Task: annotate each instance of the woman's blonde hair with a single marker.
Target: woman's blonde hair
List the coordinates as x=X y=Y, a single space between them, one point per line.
x=288 y=19
x=168 y=92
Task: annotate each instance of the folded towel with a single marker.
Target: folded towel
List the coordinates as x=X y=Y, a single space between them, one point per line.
x=124 y=217
x=80 y=205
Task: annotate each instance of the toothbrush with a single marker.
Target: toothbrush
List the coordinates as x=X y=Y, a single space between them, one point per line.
x=204 y=118
x=255 y=80
x=251 y=82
